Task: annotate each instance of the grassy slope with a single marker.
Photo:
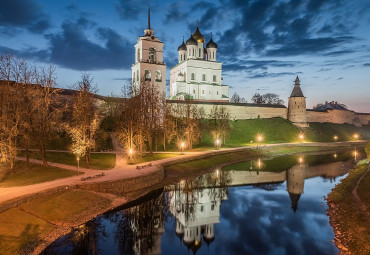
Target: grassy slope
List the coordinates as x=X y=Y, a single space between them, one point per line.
x=148 y=158
x=279 y=130
x=21 y=228
x=346 y=217
x=100 y=161
x=36 y=174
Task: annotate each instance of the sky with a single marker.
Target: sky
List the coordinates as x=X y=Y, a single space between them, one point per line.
x=262 y=44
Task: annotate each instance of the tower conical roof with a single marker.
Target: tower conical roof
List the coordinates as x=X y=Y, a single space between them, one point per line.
x=294 y=198
x=297 y=92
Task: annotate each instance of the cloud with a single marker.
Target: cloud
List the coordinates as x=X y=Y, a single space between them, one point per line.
x=271 y=75
x=367 y=64
x=73 y=49
x=129 y=9
x=244 y=65
x=24 y=14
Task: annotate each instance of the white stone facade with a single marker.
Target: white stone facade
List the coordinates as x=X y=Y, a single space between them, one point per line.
x=197 y=74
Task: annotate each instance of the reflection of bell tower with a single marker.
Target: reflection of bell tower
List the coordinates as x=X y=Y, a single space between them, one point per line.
x=295 y=183
x=149 y=65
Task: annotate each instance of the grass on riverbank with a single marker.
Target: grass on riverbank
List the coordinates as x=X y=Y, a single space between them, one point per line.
x=24 y=228
x=350 y=225
x=36 y=174
x=99 y=161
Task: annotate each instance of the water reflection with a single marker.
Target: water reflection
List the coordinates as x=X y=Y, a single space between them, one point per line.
x=272 y=206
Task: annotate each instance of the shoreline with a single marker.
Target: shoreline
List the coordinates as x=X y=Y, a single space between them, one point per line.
x=169 y=177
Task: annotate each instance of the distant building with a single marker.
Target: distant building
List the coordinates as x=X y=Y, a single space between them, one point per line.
x=198 y=75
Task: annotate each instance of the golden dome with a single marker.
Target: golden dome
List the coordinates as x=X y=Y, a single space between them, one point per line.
x=198 y=35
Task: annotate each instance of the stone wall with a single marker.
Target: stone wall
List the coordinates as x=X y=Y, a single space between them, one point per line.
x=241 y=111
x=339 y=117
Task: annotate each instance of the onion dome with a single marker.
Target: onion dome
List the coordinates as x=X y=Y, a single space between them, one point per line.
x=211 y=44
x=182 y=46
x=198 y=35
x=191 y=41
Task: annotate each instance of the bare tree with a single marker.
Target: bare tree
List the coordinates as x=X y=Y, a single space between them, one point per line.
x=219 y=123
x=237 y=99
x=258 y=99
x=85 y=119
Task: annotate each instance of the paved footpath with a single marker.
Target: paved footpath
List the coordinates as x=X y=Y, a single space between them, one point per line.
x=122 y=170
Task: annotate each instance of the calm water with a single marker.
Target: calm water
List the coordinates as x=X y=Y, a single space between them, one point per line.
x=273 y=206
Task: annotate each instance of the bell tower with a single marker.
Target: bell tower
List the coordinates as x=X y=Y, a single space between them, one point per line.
x=297 y=106
x=149 y=66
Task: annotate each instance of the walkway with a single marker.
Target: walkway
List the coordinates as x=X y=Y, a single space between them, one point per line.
x=122 y=169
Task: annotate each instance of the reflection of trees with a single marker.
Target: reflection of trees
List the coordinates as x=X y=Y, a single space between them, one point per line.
x=267 y=186
x=138 y=227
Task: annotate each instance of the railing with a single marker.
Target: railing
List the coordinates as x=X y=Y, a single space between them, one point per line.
x=152 y=62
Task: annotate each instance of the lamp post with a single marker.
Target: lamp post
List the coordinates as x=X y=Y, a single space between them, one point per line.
x=355 y=136
x=218 y=143
x=259 y=139
x=301 y=137
x=78 y=165
x=182 y=148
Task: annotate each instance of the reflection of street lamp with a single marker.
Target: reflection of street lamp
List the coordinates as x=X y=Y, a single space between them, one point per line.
x=217 y=173
x=300 y=159
x=259 y=164
x=355 y=154
x=335 y=155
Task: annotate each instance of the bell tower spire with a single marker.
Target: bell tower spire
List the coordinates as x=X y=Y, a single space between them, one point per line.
x=149 y=16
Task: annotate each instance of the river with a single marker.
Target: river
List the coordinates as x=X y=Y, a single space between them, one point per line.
x=265 y=206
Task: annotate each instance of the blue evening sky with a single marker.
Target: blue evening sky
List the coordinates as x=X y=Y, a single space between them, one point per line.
x=263 y=44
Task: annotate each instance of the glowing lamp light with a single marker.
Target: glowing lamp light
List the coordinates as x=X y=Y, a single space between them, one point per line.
x=335 y=137
x=259 y=163
x=335 y=155
x=300 y=159
x=355 y=136
x=182 y=145
x=217 y=173
x=130 y=151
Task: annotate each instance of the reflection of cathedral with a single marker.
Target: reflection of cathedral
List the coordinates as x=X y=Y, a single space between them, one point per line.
x=196 y=207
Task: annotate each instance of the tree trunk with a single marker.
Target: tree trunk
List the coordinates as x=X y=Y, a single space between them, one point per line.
x=43 y=156
x=87 y=157
x=27 y=159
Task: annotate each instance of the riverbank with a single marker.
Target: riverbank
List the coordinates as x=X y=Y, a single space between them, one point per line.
x=349 y=211
x=49 y=228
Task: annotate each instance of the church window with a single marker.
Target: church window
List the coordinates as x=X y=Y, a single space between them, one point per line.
x=152 y=55
x=138 y=55
x=217 y=92
x=148 y=76
x=180 y=57
x=133 y=77
x=193 y=76
x=193 y=52
x=201 y=208
x=213 y=55
x=199 y=52
x=212 y=207
x=203 y=91
x=137 y=76
x=214 y=78
x=204 y=77
x=193 y=91
x=158 y=76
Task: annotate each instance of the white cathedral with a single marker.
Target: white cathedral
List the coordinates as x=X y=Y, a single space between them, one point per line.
x=197 y=75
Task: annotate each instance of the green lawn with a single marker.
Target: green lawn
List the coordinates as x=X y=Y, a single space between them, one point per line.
x=99 y=161
x=36 y=174
x=63 y=207
x=23 y=228
x=155 y=156
x=347 y=215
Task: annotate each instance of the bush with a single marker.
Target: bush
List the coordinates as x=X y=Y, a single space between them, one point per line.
x=367 y=149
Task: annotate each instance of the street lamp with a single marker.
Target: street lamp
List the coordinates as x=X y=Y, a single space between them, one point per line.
x=182 y=147
x=301 y=137
x=78 y=165
x=218 y=143
x=335 y=138
x=259 y=139
x=355 y=136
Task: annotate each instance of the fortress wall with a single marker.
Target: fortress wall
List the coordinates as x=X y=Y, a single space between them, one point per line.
x=332 y=116
x=243 y=111
x=364 y=118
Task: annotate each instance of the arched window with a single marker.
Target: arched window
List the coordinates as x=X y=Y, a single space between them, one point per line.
x=152 y=55
x=214 y=78
x=138 y=55
x=158 y=76
x=213 y=55
x=193 y=76
x=180 y=57
x=204 y=77
x=193 y=52
x=148 y=75
x=133 y=77
x=199 y=52
x=137 y=76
